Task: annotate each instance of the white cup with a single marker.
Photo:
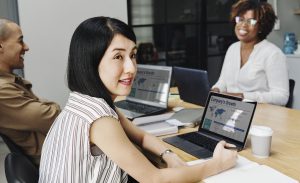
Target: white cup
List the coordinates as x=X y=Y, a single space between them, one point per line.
x=261 y=139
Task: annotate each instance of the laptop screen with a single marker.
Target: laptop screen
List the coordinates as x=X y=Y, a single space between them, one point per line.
x=228 y=116
x=151 y=85
x=192 y=90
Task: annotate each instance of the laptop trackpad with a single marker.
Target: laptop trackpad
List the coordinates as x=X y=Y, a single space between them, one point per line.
x=189 y=147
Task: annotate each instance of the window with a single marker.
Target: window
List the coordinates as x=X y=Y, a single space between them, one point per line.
x=189 y=33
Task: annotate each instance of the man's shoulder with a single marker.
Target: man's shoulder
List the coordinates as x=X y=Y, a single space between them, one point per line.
x=6 y=78
x=14 y=81
x=5 y=81
x=8 y=85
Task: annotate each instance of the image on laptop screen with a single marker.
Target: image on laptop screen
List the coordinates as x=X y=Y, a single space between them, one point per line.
x=227 y=117
x=151 y=85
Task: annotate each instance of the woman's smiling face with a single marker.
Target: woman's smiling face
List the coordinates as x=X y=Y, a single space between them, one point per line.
x=244 y=31
x=117 y=68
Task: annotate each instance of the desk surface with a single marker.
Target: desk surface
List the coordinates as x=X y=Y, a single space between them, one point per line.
x=285 y=150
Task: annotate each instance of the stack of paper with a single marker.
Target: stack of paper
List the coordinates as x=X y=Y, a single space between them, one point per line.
x=159 y=128
x=156 y=124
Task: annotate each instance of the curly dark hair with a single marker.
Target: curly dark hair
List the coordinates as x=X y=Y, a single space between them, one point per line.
x=263 y=13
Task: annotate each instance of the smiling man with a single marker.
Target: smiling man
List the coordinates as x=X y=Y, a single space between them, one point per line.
x=24 y=118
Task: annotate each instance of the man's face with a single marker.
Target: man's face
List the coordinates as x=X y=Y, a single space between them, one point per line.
x=13 y=49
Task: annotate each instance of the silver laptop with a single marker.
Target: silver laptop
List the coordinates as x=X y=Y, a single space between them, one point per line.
x=225 y=118
x=193 y=85
x=149 y=93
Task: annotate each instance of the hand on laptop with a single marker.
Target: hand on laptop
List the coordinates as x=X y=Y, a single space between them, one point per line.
x=240 y=95
x=216 y=90
x=225 y=158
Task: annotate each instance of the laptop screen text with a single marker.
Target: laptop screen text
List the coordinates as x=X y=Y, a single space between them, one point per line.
x=151 y=85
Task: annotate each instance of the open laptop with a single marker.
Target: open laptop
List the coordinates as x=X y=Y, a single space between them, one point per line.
x=193 y=85
x=225 y=118
x=149 y=93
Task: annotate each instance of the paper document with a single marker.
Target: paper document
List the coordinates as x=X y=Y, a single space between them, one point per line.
x=186 y=117
x=151 y=119
x=175 y=122
x=241 y=162
x=156 y=124
x=247 y=171
x=159 y=128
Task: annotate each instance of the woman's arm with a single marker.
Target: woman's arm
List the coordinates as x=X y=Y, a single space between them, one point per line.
x=148 y=142
x=108 y=134
x=277 y=79
x=227 y=67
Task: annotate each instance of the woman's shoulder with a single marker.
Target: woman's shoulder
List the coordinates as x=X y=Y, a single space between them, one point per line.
x=234 y=46
x=90 y=108
x=269 y=46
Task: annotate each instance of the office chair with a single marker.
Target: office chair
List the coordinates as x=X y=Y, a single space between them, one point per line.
x=14 y=148
x=291 y=87
x=18 y=169
x=11 y=145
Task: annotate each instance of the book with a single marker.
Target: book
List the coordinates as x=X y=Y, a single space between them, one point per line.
x=247 y=171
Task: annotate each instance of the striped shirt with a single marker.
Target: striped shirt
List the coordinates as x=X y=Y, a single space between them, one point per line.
x=67 y=155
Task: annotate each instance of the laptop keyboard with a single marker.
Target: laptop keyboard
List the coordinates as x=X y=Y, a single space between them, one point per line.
x=200 y=140
x=137 y=107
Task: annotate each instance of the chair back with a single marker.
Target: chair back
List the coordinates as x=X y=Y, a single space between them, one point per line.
x=291 y=87
x=18 y=169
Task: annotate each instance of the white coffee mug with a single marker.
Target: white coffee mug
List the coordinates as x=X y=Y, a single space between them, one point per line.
x=261 y=139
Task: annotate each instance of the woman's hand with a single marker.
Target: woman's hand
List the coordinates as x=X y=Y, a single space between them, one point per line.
x=173 y=160
x=240 y=95
x=225 y=158
x=216 y=90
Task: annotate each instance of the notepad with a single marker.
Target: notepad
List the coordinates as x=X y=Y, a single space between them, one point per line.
x=247 y=171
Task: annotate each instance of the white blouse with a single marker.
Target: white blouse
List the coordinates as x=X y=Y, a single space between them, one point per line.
x=263 y=78
x=66 y=154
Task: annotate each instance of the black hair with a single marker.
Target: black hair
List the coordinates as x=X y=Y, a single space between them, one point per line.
x=88 y=45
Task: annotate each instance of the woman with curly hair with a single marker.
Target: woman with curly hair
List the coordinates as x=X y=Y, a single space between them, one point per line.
x=254 y=68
